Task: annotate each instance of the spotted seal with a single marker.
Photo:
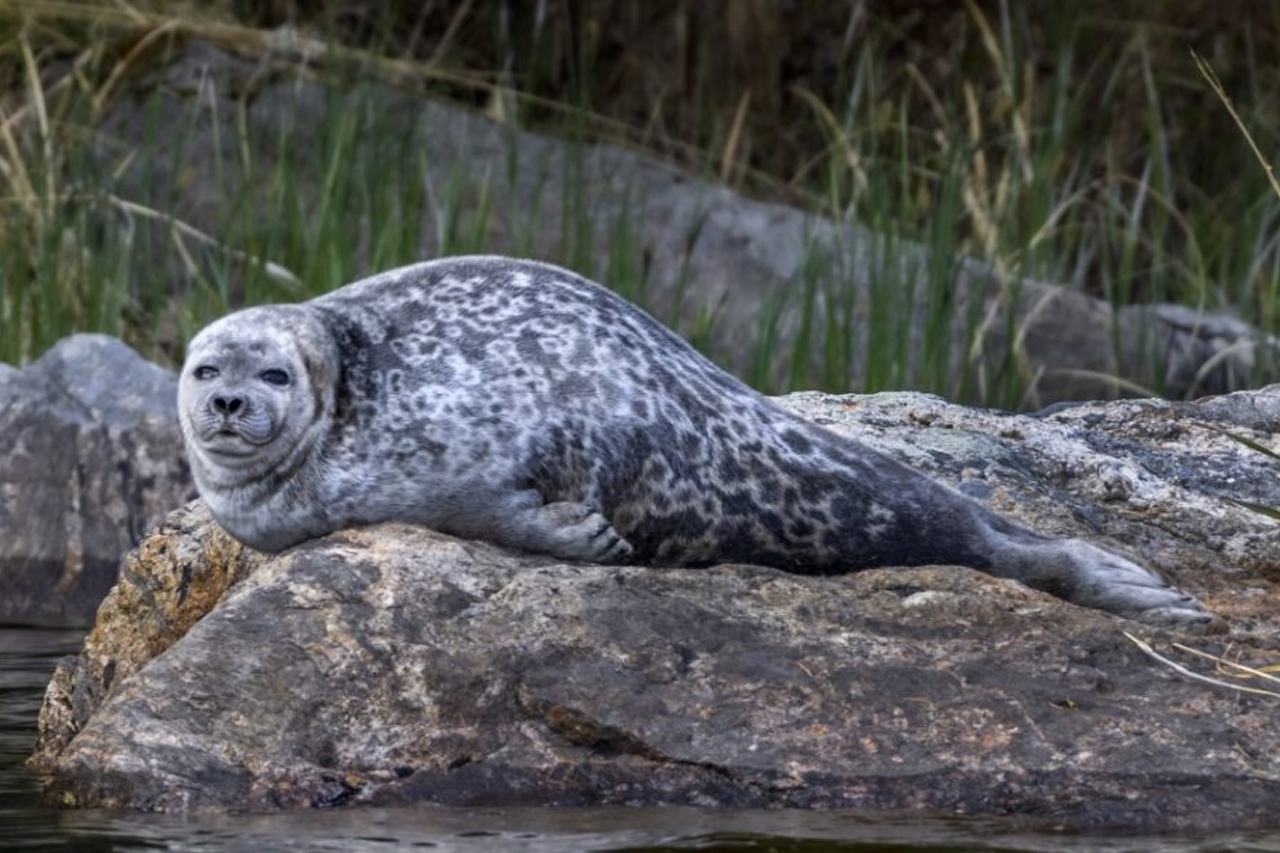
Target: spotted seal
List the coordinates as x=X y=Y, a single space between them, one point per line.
x=517 y=402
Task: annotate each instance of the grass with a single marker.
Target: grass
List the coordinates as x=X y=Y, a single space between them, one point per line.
x=1229 y=674
x=1054 y=149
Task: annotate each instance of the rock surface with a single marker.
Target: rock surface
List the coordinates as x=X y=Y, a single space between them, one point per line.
x=395 y=665
x=717 y=266
x=90 y=460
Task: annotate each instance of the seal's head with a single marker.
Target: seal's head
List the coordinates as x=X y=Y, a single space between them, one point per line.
x=256 y=392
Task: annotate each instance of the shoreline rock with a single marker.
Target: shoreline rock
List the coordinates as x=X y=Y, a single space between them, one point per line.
x=394 y=665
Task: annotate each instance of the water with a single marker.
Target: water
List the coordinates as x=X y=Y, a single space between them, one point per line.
x=28 y=656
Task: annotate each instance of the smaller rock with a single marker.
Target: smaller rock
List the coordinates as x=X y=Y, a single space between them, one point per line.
x=90 y=459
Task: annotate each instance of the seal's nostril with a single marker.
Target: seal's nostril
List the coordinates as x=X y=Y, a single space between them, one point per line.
x=227 y=405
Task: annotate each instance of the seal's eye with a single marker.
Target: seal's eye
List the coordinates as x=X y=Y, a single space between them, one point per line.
x=204 y=372
x=274 y=377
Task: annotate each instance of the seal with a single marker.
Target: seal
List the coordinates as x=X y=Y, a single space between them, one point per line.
x=520 y=403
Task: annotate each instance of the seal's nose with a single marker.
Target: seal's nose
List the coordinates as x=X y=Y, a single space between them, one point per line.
x=227 y=405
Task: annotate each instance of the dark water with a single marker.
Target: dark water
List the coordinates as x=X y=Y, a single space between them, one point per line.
x=27 y=657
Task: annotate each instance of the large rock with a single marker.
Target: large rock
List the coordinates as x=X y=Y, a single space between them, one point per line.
x=395 y=665
x=717 y=266
x=90 y=460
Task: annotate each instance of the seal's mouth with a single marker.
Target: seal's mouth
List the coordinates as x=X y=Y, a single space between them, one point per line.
x=235 y=436
x=229 y=443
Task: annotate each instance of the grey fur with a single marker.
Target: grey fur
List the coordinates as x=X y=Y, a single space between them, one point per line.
x=517 y=402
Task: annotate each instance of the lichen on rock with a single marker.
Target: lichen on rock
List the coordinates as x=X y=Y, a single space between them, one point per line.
x=171 y=580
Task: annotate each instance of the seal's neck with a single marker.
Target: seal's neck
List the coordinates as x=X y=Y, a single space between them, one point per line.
x=272 y=509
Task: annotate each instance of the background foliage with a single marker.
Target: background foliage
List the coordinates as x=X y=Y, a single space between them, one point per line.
x=1070 y=142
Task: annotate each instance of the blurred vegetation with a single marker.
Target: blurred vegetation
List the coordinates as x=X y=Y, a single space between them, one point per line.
x=1070 y=142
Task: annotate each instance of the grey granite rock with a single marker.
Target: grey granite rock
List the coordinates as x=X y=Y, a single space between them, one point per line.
x=393 y=665
x=90 y=460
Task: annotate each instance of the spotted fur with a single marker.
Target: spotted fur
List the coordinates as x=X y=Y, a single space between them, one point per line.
x=517 y=402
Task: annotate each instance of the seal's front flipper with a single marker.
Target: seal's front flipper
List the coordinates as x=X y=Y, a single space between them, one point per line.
x=575 y=531
x=1089 y=576
x=563 y=529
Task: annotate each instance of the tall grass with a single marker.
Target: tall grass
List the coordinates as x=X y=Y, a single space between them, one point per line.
x=1050 y=151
